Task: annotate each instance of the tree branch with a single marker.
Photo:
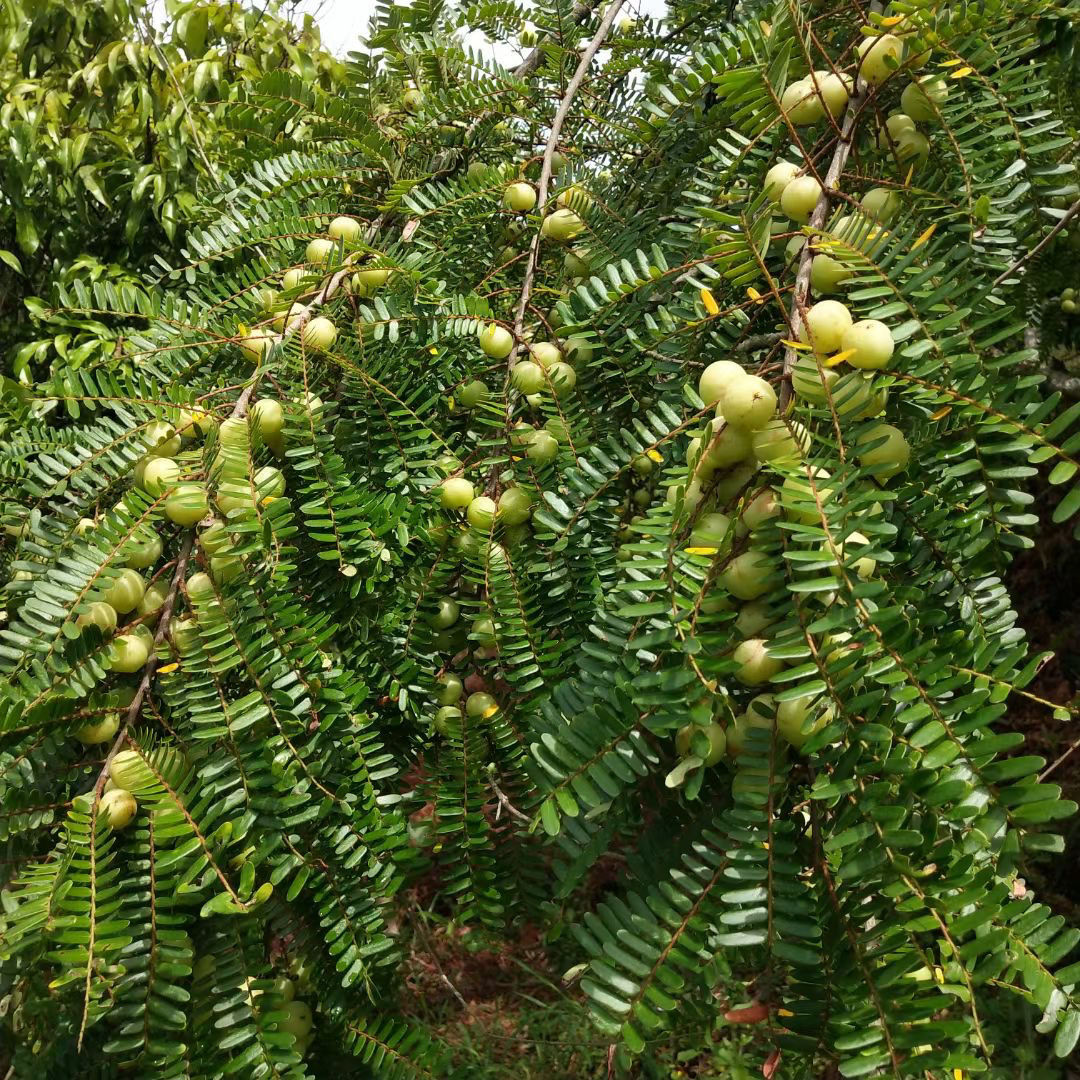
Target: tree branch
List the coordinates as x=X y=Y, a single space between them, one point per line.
x=1062 y=222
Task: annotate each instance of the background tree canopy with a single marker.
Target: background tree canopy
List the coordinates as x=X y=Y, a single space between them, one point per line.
x=567 y=506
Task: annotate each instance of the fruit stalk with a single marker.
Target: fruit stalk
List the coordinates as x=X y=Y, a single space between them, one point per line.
x=817 y=220
x=545 y=167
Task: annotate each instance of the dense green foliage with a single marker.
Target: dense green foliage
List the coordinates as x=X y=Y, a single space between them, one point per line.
x=761 y=661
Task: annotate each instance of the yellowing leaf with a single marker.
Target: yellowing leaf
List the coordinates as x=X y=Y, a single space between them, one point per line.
x=653 y=455
x=755 y=295
x=837 y=358
x=924 y=236
x=959 y=73
x=951 y=63
x=958 y=1074
x=784 y=1012
x=701 y=550
x=892 y=20
x=910 y=173
x=711 y=306
x=941 y=413
x=433 y=350
x=167 y=668
x=794 y=344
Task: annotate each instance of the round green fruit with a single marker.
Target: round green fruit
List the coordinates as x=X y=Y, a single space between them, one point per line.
x=366 y=282
x=142 y=550
x=319 y=334
x=749 y=575
x=319 y=251
x=883 y=450
x=781 y=441
x=455 y=493
x=763 y=507
x=162 y=439
x=412 y=100
x=450 y=689
x=480 y=705
x=344 y=228
x=127 y=653
x=753 y=619
x=715 y=380
x=799 y=198
x=711 y=530
x=797 y=494
x=923 y=98
x=184 y=634
x=519 y=197
x=125 y=592
x=472 y=394
x=755 y=665
x=545 y=353
x=200 y=587
x=738 y=731
x=268 y=417
x=749 y=403
x=298 y=1020
x=870 y=343
x=481 y=512
x=119 y=807
x=542 y=448
x=792 y=717
x=801 y=104
x=563 y=378
x=882 y=204
x=153 y=600
x=827 y=274
x=445 y=614
x=187 y=504
x=527 y=377
x=98 y=614
x=515 y=506
x=496 y=341
x=714 y=733
x=98 y=731
x=483 y=632
x=824 y=325
x=778 y=178
x=811 y=380
x=562 y=225
x=446 y=716
x=879 y=57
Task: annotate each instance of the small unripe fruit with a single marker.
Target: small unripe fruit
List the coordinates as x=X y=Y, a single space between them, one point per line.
x=714 y=733
x=413 y=100
x=882 y=204
x=753 y=619
x=268 y=417
x=226 y=568
x=799 y=198
x=883 y=450
x=445 y=614
x=724 y=443
x=365 y=282
x=809 y=380
x=527 y=377
x=481 y=512
x=344 y=228
x=118 y=806
x=480 y=704
x=870 y=343
x=827 y=274
x=142 y=550
x=562 y=377
x=496 y=341
x=269 y=483
x=791 y=717
x=716 y=378
x=444 y=717
x=471 y=394
x=778 y=178
x=711 y=530
x=542 y=448
x=762 y=507
x=743 y=725
x=125 y=592
x=896 y=127
x=780 y=440
x=450 y=689
x=564 y=224
x=127 y=653
x=98 y=614
x=200 y=587
x=184 y=634
x=914 y=147
x=824 y=325
x=519 y=197
x=576 y=263
x=298 y=1021
x=455 y=493
x=319 y=251
x=834 y=89
x=187 y=504
x=922 y=99
x=515 y=506
x=153 y=600
x=319 y=334
x=545 y=353
x=749 y=403
x=159 y=475
x=755 y=664
x=293 y=278
x=162 y=439
x=879 y=57
x=801 y=104
x=749 y=575
x=98 y=731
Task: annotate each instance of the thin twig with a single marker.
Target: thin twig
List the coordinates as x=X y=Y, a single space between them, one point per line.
x=504 y=801
x=549 y=150
x=422 y=927
x=1063 y=221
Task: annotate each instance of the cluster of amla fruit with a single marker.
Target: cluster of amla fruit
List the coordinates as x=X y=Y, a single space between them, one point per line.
x=285 y=310
x=1068 y=301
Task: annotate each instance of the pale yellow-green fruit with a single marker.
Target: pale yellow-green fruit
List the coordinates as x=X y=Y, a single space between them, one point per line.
x=455 y=493
x=562 y=225
x=269 y=483
x=749 y=403
x=879 y=57
x=481 y=512
x=710 y=530
x=756 y=666
x=344 y=228
x=896 y=126
x=882 y=204
x=162 y=439
x=923 y=98
x=184 y=634
x=714 y=734
x=827 y=274
x=870 y=344
x=293 y=278
x=142 y=550
x=727 y=485
x=743 y=725
x=226 y=568
x=862 y=565
x=576 y=263
x=778 y=178
x=562 y=377
x=574 y=197
x=797 y=494
x=801 y=103
x=545 y=353
x=98 y=614
x=297 y=1020
x=119 y=807
x=883 y=450
x=159 y=474
x=799 y=198
x=716 y=378
x=763 y=507
x=200 y=587
x=529 y=35
x=801 y=717
x=793 y=250
x=542 y=447
x=128 y=770
x=749 y=575
x=153 y=600
x=257 y=344
x=824 y=325
x=515 y=506
x=187 y=504
x=834 y=89
x=811 y=380
x=319 y=251
x=268 y=417
x=98 y=731
x=84 y=526
x=412 y=100
x=125 y=592
x=127 y=653
x=780 y=441
x=319 y=333
x=365 y=282
x=913 y=148
x=519 y=197
x=527 y=377
x=496 y=341
x=755 y=616
x=724 y=444
x=851 y=395
x=215 y=539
